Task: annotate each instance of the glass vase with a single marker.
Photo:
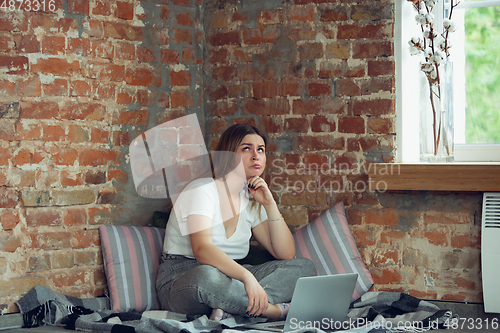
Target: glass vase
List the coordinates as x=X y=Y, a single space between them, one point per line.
x=436 y=116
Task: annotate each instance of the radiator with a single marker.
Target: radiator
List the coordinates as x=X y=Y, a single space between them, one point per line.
x=490 y=251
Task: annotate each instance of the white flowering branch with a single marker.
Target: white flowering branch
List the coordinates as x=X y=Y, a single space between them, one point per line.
x=435 y=50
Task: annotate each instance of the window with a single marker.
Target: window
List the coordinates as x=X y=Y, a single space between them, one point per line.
x=475 y=54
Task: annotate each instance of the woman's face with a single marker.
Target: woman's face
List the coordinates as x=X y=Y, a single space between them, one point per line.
x=253 y=155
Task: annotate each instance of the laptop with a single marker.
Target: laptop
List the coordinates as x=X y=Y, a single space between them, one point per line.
x=318 y=302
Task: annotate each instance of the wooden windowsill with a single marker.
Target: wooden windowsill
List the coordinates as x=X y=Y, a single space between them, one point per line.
x=435 y=177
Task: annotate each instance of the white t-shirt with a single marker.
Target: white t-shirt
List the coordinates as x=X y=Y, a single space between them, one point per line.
x=201 y=197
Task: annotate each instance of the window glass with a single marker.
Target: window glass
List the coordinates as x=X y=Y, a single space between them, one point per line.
x=482 y=74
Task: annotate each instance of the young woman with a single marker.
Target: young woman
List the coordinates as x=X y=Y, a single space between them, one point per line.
x=210 y=228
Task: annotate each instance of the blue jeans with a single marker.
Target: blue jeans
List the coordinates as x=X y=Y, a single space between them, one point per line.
x=186 y=286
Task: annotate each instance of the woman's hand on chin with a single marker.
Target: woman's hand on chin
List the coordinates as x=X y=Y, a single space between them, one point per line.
x=260 y=191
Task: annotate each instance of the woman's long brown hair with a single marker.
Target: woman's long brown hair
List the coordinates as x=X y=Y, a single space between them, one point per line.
x=229 y=141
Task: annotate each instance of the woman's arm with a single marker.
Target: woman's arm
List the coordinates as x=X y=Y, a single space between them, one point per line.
x=273 y=233
x=208 y=254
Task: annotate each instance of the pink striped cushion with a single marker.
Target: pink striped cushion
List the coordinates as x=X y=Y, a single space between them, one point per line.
x=328 y=242
x=131 y=258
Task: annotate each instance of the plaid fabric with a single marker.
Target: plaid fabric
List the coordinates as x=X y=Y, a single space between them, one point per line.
x=374 y=312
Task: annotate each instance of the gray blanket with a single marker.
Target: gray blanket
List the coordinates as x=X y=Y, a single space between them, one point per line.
x=375 y=312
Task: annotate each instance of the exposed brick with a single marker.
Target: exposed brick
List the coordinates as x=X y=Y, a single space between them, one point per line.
x=124 y=10
x=53 y=133
x=267 y=107
x=223 y=108
x=463 y=241
x=366 y=50
x=311 y=51
x=183 y=36
x=316 y=106
x=260 y=35
x=94 y=28
x=7 y=129
x=79 y=7
x=382 y=217
x=79 y=88
x=184 y=18
x=14 y=21
x=265 y=89
x=27 y=43
x=142 y=77
x=303 y=197
x=377 y=84
x=54 y=25
x=82 y=239
x=375 y=107
x=78 y=134
x=9 y=242
x=125 y=51
x=338 y=50
x=145 y=54
x=333 y=14
x=347 y=87
x=180 y=78
x=135 y=117
x=298 y=125
x=318 y=89
x=81 y=111
x=170 y=56
x=71 y=178
x=386 y=276
x=351 y=125
x=103 y=91
x=63 y=156
x=376 y=31
x=182 y=98
x=301 y=14
x=59 y=87
x=218 y=56
x=436 y=238
x=101 y=8
x=31 y=87
x=318 y=143
x=8 y=198
x=42 y=110
x=381 y=125
x=14 y=64
x=322 y=123
x=10 y=219
x=55 y=45
x=99 y=135
x=224 y=73
x=384 y=67
x=56 y=66
x=103 y=49
x=123 y=31
x=36 y=217
x=364 y=237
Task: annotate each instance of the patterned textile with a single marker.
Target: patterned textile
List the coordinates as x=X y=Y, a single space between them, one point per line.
x=328 y=242
x=375 y=312
x=131 y=258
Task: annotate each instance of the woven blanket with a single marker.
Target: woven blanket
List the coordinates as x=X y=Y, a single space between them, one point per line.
x=375 y=312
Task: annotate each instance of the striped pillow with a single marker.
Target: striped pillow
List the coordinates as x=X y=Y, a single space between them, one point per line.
x=131 y=258
x=328 y=242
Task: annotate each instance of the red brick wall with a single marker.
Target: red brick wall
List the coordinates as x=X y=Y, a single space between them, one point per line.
x=78 y=82
x=77 y=85
x=318 y=76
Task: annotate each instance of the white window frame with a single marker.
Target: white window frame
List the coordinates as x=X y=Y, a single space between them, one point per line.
x=408 y=91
